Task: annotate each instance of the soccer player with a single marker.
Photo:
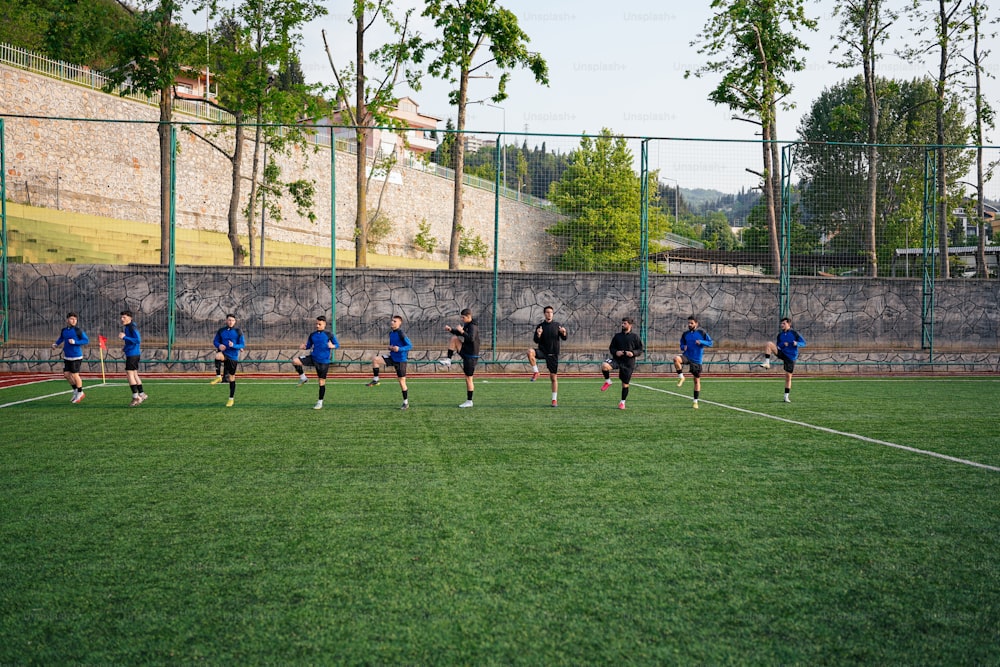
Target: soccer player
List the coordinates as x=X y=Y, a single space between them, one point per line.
x=322 y=343
x=132 y=340
x=785 y=348
x=465 y=341
x=72 y=338
x=547 y=336
x=228 y=342
x=399 y=348
x=625 y=348
x=693 y=344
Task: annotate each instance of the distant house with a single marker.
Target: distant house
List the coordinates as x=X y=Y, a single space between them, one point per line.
x=416 y=141
x=193 y=84
x=966 y=219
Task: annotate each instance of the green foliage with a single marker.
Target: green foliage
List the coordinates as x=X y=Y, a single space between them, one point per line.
x=76 y=31
x=472 y=246
x=379 y=226
x=717 y=234
x=423 y=239
x=600 y=195
x=834 y=175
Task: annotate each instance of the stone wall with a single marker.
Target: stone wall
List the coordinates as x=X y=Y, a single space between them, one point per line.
x=112 y=169
x=846 y=321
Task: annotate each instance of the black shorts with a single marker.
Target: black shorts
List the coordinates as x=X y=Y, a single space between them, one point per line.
x=321 y=368
x=72 y=365
x=229 y=366
x=789 y=364
x=624 y=370
x=400 y=366
x=695 y=368
x=132 y=363
x=469 y=365
x=551 y=361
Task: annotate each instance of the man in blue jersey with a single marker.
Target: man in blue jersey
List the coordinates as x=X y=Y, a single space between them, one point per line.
x=399 y=348
x=785 y=348
x=693 y=343
x=320 y=344
x=228 y=342
x=72 y=338
x=131 y=340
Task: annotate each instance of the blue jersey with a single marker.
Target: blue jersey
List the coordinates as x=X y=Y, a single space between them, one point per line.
x=319 y=343
x=233 y=339
x=690 y=347
x=131 y=340
x=789 y=343
x=398 y=338
x=72 y=351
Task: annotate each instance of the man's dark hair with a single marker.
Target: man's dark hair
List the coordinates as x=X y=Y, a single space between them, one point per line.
x=694 y=318
x=321 y=318
x=126 y=312
x=785 y=319
x=466 y=311
x=231 y=315
x=629 y=320
x=72 y=314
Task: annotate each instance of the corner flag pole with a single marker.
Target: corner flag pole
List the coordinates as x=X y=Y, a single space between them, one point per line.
x=103 y=344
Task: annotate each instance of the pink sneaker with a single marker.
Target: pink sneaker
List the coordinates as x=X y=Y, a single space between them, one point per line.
x=534 y=376
x=606 y=385
x=621 y=405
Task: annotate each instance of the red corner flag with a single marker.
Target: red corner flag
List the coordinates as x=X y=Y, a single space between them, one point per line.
x=103 y=341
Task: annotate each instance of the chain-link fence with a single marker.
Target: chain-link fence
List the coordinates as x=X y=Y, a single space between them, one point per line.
x=544 y=214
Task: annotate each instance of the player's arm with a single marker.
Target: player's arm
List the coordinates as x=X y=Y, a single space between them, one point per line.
x=799 y=340
x=706 y=340
x=82 y=339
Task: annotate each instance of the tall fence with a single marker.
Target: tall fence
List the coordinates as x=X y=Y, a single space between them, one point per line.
x=546 y=218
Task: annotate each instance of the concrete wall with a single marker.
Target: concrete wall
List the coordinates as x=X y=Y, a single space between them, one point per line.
x=842 y=319
x=112 y=169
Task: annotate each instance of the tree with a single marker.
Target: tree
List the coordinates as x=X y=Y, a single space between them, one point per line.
x=600 y=195
x=153 y=49
x=466 y=28
x=983 y=118
x=864 y=26
x=256 y=37
x=948 y=32
x=717 y=234
x=835 y=170
x=373 y=100
x=755 y=46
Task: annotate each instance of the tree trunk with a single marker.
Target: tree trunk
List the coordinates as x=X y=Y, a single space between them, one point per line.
x=871 y=105
x=233 y=216
x=361 y=141
x=459 y=156
x=254 y=186
x=942 y=181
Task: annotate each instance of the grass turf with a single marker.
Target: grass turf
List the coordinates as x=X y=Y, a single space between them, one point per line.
x=511 y=533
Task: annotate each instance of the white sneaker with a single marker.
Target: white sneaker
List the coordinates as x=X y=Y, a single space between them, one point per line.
x=445 y=362
x=318 y=406
x=680 y=379
x=78 y=397
x=766 y=364
x=302 y=380
x=143 y=397
x=787 y=399
x=695 y=405
x=467 y=404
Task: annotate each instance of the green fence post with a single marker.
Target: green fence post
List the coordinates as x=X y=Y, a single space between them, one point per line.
x=496 y=244
x=644 y=240
x=784 y=233
x=4 y=295
x=929 y=241
x=333 y=231
x=172 y=261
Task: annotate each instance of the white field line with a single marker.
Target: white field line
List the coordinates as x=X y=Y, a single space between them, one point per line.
x=42 y=398
x=824 y=429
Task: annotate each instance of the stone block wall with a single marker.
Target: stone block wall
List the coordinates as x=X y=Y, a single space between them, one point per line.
x=112 y=169
x=851 y=321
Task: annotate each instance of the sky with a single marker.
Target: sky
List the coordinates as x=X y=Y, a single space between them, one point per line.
x=615 y=65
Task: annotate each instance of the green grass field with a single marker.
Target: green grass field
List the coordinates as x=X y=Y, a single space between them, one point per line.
x=747 y=532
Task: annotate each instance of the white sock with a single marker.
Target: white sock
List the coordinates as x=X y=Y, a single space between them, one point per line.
x=554 y=395
x=534 y=369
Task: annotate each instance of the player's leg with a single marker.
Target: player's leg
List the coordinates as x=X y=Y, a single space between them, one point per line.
x=696 y=373
x=401 y=376
x=769 y=349
x=378 y=363
x=606 y=371
x=300 y=370
x=219 y=359
x=469 y=368
x=533 y=362
x=679 y=369
x=321 y=372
